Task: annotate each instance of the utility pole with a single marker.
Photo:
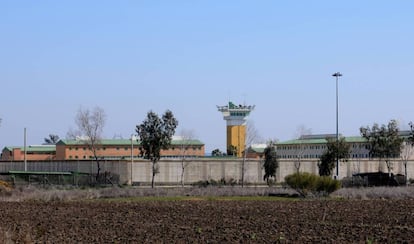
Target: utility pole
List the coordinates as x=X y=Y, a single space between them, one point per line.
x=25 y=153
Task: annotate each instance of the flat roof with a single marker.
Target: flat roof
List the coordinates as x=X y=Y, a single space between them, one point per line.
x=127 y=142
x=33 y=148
x=39 y=172
x=350 y=139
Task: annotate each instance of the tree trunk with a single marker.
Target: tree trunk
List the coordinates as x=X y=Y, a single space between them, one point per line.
x=153 y=173
x=182 y=173
x=98 y=165
x=406 y=176
x=242 y=176
x=389 y=166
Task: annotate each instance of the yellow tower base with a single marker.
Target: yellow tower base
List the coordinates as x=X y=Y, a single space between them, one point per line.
x=236 y=115
x=236 y=136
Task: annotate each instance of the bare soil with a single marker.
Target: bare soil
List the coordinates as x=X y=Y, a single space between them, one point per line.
x=208 y=221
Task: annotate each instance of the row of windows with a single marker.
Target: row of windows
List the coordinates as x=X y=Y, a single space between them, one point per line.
x=318 y=156
x=124 y=157
x=187 y=148
x=360 y=156
x=128 y=148
x=303 y=147
x=103 y=148
x=238 y=113
x=316 y=147
x=304 y=156
x=106 y=157
x=363 y=146
x=77 y=157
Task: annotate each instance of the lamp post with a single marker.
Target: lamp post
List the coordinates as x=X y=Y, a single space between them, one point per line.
x=25 y=150
x=337 y=75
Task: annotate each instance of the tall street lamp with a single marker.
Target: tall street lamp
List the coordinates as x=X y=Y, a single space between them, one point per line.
x=337 y=75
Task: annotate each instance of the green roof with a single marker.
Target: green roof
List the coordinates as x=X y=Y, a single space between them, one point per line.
x=34 y=148
x=127 y=142
x=350 y=139
x=258 y=148
x=187 y=142
x=39 y=172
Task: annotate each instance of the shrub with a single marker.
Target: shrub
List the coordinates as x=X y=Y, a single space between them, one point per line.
x=327 y=184
x=212 y=182
x=353 y=182
x=310 y=184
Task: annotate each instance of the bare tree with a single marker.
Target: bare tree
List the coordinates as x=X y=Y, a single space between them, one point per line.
x=186 y=137
x=359 y=150
x=252 y=135
x=301 y=131
x=406 y=151
x=90 y=125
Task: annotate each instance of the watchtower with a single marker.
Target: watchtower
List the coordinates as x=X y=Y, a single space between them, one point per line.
x=235 y=116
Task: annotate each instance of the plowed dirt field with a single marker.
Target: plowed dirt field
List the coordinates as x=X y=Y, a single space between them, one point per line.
x=209 y=221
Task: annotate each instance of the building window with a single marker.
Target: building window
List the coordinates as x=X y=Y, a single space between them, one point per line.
x=70 y=157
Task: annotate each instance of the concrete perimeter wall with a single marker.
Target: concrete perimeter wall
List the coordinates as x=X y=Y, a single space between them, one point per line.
x=203 y=169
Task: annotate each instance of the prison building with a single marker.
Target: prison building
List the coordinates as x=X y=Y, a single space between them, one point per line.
x=124 y=149
x=30 y=153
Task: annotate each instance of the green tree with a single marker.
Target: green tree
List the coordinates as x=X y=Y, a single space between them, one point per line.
x=217 y=153
x=52 y=139
x=334 y=150
x=271 y=162
x=385 y=142
x=232 y=150
x=155 y=134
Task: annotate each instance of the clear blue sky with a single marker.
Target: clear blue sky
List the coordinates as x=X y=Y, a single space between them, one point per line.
x=129 y=57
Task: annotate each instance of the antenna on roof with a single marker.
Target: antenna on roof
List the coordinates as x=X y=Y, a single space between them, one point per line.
x=117 y=136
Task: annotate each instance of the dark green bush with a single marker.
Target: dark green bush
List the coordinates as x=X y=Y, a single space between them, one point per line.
x=212 y=182
x=307 y=184
x=327 y=184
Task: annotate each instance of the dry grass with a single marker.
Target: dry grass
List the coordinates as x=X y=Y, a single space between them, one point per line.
x=402 y=192
x=28 y=193
x=16 y=234
x=59 y=193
